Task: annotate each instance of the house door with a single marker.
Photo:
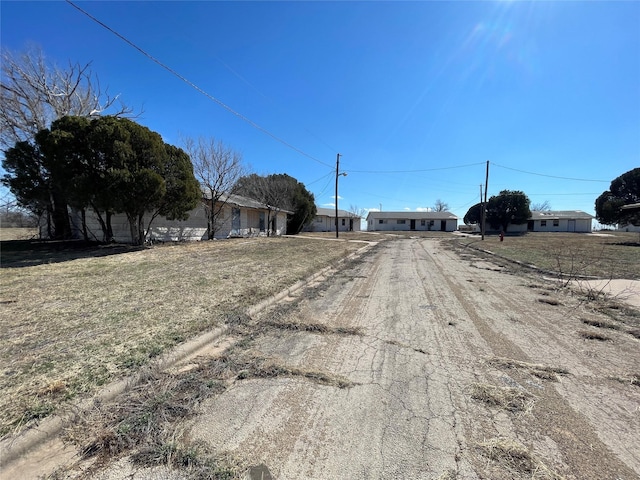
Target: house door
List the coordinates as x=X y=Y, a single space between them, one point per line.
x=274 y=225
x=530 y=225
x=443 y=225
x=351 y=224
x=572 y=226
x=412 y=224
x=261 y=221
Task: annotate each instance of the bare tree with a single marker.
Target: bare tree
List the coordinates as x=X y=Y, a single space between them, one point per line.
x=275 y=191
x=34 y=92
x=356 y=212
x=218 y=168
x=541 y=207
x=440 y=206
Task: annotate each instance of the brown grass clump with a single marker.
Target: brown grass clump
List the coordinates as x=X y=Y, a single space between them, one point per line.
x=541 y=371
x=511 y=399
x=633 y=379
x=589 y=335
x=516 y=458
x=549 y=301
x=312 y=327
x=601 y=324
x=634 y=332
x=255 y=366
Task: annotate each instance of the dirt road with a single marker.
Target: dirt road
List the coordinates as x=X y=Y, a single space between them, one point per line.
x=437 y=331
x=433 y=366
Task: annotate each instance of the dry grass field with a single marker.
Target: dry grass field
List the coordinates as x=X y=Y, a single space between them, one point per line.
x=74 y=318
x=17 y=233
x=606 y=255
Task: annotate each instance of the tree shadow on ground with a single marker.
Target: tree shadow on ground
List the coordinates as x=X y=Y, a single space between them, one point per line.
x=29 y=253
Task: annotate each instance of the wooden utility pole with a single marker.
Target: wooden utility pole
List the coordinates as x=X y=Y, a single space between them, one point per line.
x=337 y=175
x=484 y=204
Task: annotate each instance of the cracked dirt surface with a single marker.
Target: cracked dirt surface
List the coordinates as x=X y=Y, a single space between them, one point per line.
x=431 y=325
x=432 y=328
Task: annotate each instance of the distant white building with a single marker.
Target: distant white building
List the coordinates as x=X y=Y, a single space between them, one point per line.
x=559 y=221
x=412 y=221
x=325 y=221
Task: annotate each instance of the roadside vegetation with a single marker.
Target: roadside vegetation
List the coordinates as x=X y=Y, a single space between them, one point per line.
x=75 y=319
x=610 y=255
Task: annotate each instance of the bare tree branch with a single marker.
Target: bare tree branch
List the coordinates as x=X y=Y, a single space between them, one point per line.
x=218 y=168
x=34 y=93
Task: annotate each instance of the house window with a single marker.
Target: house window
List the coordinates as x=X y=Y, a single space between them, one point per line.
x=423 y=223
x=431 y=223
x=318 y=219
x=543 y=223
x=556 y=223
x=343 y=220
x=380 y=221
x=401 y=222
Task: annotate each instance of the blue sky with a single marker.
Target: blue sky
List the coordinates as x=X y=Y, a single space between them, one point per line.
x=415 y=96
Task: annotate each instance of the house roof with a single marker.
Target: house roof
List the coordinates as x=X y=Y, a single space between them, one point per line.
x=331 y=212
x=413 y=215
x=245 y=202
x=561 y=214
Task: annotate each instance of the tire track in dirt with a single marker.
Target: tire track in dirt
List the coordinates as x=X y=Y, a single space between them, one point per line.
x=583 y=452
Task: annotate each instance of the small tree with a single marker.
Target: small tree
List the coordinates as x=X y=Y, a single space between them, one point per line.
x=110 y=164
x=35 y=92
x=473 y=215
x=218 y=168
x=510 y=207
x=624 y=190
x=278 y=192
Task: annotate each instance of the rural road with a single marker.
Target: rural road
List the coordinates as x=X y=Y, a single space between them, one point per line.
x=452 y=369
x=433 y=329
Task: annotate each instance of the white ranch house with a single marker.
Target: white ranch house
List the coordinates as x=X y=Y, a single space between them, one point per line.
x=560 y=221
x=411 y=221
x=240 y=217
x=325 y=221
x=552 y=221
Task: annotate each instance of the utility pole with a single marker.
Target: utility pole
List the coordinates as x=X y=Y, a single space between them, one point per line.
x=337 y=175
x=484 y=204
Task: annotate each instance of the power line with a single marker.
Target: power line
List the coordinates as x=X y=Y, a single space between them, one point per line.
x=416 y=171
x=194 y=86
x=550 y=176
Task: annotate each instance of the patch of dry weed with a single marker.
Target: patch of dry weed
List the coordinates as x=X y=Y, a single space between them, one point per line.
x=544 y=372
x=517 y=459
x=508 y=398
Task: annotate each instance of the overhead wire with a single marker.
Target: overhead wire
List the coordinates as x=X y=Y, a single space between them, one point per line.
x=196 y=87
x=417 y=170
x=549 y=176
